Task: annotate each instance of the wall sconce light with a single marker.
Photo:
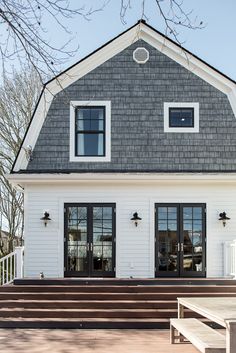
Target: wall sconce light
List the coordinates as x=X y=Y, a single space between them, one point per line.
x=223 y=218
x=136 y=219
x=45 y=218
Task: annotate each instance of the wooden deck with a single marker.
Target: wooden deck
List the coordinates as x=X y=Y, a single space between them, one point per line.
x=89 y=341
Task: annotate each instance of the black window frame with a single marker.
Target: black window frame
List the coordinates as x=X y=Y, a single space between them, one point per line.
x=103 y=131
x=181 y=109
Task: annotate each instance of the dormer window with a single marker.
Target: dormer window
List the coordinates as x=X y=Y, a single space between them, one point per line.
x=181 y=117
x=90 y=131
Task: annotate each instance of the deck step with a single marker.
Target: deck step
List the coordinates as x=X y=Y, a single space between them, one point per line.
x=101 y=303
x=84 y=323
x=92 y=304
x=118 y=289
x=107 y=296
x=123 y=282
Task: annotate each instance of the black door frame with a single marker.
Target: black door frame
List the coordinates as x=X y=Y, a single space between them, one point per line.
x=180 y=272
x=90 y=272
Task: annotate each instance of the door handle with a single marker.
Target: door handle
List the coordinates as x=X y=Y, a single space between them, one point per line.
x=180 y=246
x=87 y=246
x=91 y=246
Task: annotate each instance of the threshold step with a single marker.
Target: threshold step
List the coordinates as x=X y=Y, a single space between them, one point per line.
x=123 y=281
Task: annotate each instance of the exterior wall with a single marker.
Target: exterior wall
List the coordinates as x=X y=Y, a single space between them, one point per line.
x=138 y=142
x=134 y=246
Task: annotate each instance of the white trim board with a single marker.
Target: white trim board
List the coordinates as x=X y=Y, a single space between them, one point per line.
x=140 y=31
x=111 y=178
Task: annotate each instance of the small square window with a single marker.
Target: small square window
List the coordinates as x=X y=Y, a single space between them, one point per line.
x=181 y=117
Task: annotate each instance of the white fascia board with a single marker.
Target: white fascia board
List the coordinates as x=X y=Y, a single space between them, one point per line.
x=232 y=99
x=24 y=179
x=140 y=31
x=95 y=60
x=187 y=60
x=34 y=129
x=191 y=63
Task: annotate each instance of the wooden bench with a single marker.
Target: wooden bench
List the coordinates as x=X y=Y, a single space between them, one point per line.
x=204 y=338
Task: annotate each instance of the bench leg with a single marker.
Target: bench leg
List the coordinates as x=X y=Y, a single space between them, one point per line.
x=172 y=334
x=230 y=336
x=180 y=311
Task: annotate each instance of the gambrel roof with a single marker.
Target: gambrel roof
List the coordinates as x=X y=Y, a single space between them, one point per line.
x=142 y=31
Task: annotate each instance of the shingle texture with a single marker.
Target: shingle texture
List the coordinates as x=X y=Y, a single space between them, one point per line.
x=138 y=142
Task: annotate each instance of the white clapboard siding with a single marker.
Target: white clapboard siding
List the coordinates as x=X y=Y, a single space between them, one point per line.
x=134 y=245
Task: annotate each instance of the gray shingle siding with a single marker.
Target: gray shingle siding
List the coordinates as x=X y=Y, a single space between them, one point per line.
x=138 y=142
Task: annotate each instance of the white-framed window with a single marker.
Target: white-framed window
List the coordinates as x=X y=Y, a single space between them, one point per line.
x=90 y=131
x=181 y=117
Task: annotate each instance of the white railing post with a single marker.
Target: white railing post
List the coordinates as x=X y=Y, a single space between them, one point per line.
x=227 y=258
x=229 y=250
x=234 y=259
x=19 y=262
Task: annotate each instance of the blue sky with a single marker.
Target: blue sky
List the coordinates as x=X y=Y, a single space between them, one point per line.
x=215 y=43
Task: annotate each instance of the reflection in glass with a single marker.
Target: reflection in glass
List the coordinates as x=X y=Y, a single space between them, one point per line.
x=167 y=239
x=193 y=228
x=102 y=239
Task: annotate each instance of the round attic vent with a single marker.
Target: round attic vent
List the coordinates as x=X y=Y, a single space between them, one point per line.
x=141 y=55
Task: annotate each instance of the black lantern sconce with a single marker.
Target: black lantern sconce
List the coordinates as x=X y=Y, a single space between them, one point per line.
x=45 y=218
x=223 y=218
x=136 y=219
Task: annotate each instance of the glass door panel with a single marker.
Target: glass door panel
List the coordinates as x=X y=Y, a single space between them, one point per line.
x=167 y=241
x=76 y=239
x=192 y=240
x=102 y=239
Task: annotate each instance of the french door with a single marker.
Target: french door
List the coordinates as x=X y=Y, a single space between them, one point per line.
x=89 y=240
x=180 y=240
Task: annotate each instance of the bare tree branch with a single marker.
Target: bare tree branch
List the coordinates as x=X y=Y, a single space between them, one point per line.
x=171 y=12
x=18 y=96
x=23 y=35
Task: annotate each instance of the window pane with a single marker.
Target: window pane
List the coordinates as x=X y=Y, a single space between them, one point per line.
x=181 y=117
x=97 y=113
x=97 y=125
x=197 y=212
x=83 y=113
x=162 y=212
x=90 y=144
x=90 y=119
x=187 y=213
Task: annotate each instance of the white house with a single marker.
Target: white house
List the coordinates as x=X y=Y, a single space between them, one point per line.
x=130 y=158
